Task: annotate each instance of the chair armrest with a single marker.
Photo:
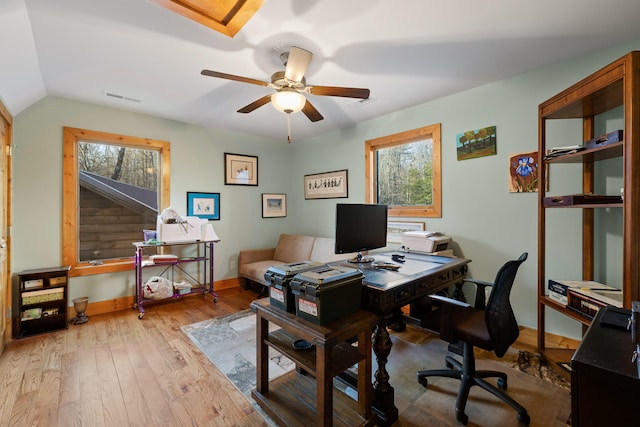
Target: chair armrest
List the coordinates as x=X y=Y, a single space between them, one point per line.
x=247 y=256
x=449 y=300
x=481 y=285
x=448 y=313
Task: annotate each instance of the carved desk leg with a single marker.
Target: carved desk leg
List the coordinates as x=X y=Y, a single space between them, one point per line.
x=383 y=392
x=262 y=368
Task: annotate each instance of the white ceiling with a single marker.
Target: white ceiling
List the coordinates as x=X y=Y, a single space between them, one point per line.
x=407 y=52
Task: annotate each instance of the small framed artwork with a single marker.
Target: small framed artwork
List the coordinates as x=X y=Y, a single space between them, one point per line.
x=477 y=143
x=524 y=173
x=274 y=205
x=203 y=205
x=327 y=185
x=396 y=228
x=240 y=169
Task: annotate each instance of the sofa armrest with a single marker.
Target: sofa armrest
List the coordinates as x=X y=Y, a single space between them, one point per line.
x=247 y=256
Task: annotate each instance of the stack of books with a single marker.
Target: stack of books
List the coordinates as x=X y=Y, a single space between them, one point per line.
x=163 y=259
x=585 y=297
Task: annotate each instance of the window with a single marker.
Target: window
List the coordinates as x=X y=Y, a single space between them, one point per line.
x=403 y=171
x=113 y=188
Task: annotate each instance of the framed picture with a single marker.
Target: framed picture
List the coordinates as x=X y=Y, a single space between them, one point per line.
x=476 y=143
x=203 y=205
x=274 y=205
x=523 y=173
x=327 y=185
x=396 y=228
x=240 y=169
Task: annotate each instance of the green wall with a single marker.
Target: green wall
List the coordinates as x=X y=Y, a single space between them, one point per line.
x=488 y=224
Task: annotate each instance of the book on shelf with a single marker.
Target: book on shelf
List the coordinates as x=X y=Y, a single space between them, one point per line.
x=587 y=301
x=559 y=289
x=163 y=258
x=32 y=313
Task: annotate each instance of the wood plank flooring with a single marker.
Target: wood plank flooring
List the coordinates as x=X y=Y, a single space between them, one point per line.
x=117 y=370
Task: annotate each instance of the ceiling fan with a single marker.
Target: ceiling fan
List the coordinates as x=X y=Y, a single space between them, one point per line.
x=290 y=87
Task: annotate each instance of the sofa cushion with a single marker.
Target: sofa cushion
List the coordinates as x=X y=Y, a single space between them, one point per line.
x=255 y=271
x=293 y=247
x=323 y=251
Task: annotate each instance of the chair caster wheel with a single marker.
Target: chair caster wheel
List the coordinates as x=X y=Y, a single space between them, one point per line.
x=524 y=418
x=502 y=383
x=215 y=299
x=423 y=381
x=462 y=419
x=140 y=316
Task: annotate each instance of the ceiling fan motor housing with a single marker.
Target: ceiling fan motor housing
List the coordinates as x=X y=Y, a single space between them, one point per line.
x=279 y=81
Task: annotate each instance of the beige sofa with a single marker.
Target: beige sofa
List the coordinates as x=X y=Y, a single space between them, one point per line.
x=253 y=263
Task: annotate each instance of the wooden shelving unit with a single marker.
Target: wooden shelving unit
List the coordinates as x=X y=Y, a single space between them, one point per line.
x=40 y=301
x=616 y=85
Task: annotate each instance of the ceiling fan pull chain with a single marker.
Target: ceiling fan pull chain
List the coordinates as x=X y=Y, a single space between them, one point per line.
x=289 y=128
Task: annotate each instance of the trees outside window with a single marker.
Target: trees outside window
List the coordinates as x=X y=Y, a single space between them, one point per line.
x=114 y=187
x=403 y=171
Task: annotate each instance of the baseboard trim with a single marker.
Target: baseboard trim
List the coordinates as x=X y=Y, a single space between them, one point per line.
x=529 y=339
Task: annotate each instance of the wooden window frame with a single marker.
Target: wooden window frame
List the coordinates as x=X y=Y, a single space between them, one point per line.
x=71 y=190
x=432 y=132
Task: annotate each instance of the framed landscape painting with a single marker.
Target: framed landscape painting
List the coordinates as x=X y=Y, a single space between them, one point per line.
x=274 y=205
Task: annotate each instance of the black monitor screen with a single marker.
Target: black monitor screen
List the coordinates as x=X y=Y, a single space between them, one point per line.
x=360 y=227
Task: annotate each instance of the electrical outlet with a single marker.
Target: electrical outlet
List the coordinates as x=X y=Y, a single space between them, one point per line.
x=232 y=265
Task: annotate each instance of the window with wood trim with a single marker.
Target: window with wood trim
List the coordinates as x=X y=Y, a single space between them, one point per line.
x=113 y=188
x=403 y=171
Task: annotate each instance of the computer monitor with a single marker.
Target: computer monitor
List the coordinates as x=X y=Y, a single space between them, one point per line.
x=360 y=227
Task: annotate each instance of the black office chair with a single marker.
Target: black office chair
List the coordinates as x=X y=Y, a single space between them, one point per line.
x=491 y=328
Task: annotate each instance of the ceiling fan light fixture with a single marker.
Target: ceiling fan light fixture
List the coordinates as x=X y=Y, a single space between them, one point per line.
x=288 y=100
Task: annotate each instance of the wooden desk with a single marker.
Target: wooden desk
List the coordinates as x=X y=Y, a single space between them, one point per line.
x=289 y=399
x=604 y=382
x=385 y=292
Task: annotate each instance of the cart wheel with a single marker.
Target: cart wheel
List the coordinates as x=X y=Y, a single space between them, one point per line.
x=140 y=315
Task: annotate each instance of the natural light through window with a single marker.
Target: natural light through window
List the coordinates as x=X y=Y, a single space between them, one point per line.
x=403 y=171
x=114 y=187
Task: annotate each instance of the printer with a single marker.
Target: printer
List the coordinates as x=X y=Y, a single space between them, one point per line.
x=424 y=241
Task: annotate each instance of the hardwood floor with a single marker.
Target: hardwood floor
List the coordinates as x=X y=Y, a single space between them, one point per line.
x=117 y=370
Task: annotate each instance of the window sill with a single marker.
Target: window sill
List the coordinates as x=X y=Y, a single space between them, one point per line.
x=85 y=269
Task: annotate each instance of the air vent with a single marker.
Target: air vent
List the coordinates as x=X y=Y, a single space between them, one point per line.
x=124 y=98
x=359 y=103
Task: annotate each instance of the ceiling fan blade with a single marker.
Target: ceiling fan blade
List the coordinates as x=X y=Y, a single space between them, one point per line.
x=255 y=104
x=346 y=92
x=297 y=64
x=311 y=112
x=233 y=77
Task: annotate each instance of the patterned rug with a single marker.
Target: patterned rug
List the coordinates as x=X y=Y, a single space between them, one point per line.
x=230 y=344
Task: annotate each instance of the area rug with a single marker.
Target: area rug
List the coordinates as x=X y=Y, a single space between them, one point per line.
x=230 y=344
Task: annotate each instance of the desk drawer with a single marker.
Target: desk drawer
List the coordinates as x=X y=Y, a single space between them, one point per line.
x=404 y=294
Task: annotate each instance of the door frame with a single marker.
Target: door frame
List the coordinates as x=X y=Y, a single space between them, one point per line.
x=6 y=210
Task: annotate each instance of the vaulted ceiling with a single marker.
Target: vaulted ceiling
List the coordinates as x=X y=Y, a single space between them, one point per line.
x=140 y=56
